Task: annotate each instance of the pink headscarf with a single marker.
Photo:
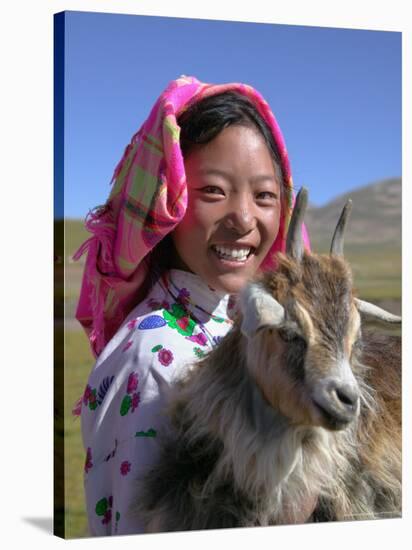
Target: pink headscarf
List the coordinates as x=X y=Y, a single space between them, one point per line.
x=147 y=201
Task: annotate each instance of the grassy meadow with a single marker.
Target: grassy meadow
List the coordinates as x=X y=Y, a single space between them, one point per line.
x=78 y=364
x=377 y=271
x=377 y=275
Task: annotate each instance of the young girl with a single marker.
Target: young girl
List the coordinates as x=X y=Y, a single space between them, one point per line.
x=201 y=202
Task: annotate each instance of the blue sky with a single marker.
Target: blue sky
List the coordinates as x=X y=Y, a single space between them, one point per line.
x=336 y=94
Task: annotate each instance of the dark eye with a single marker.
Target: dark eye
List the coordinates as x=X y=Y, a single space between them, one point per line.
x=212 y=190
x=288 y=335
x=357 y=344
x=267 y=195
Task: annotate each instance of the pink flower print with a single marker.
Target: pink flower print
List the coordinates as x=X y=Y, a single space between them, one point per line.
x=131 y=324
x=104 y=508
x=165 y=356
x=135 y=401
x=132 y=382
x=92 y=400
x=155 y=304
x=183 y=323
x=89 y=464
x=107 y=517
x=183 y=296
x=125 y=467
x=198 y=339
x=127 y=346
x=89 y=398
x=87 y=394
x=131 y=400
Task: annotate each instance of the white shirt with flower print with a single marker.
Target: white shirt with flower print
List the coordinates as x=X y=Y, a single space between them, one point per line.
x=180 y=320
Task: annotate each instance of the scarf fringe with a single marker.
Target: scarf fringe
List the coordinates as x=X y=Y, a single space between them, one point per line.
x=77 y=409
x=99 y=247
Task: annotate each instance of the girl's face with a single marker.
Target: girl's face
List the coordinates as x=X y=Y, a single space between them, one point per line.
x=233 y=212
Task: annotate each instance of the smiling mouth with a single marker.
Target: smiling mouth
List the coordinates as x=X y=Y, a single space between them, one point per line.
x=233 y=255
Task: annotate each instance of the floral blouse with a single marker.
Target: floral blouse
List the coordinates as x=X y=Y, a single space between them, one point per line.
x=180 y=320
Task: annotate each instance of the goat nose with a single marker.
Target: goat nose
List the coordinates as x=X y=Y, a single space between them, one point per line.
x=337 y=402
x=346 y=394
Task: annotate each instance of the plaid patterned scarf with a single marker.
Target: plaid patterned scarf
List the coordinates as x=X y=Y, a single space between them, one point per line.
x=147 y=201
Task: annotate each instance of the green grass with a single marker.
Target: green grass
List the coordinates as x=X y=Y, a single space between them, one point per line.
x=377 y=270
x=78 y=363
x=69 y=235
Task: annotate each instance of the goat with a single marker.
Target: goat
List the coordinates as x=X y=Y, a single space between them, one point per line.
x=295 y=417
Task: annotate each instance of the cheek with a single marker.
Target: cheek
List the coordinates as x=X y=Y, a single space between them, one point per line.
x=270 y=228
x=275 y=223
x=198 y=215
x=194 y=229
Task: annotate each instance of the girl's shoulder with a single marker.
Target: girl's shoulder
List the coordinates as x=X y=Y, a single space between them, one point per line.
x=142 y=317
x=130 y=376
x=155 y=344
x=157 y=331
x=160 y=331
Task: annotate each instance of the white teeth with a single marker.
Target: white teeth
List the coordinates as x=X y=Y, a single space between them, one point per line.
x=238 y=254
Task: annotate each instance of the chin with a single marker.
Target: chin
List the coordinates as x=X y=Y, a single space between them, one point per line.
x=228 y=283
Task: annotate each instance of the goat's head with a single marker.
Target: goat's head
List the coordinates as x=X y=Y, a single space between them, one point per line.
x=303 y=325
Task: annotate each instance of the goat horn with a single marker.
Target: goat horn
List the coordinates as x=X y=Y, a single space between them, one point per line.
x=372 y=314
x=294 y=241
x=337 y=240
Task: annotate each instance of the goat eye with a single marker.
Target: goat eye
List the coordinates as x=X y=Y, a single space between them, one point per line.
x=357 y=344
x=288 y=335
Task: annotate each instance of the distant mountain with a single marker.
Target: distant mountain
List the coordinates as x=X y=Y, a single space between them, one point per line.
x=375 y=218
x=372 y=243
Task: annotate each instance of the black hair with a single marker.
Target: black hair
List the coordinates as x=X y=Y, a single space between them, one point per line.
x=205 y=119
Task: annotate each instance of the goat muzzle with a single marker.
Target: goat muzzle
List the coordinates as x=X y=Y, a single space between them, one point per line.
x=336 y=404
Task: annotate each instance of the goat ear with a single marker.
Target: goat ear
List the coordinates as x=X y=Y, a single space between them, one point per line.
x=374 y=315
x=258 y=309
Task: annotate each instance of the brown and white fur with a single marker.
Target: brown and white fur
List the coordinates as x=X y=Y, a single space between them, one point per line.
x=295 y=416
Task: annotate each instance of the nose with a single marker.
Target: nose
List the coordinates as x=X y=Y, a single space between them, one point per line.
x=338 y=402
x=346 y=395
x=240 y=218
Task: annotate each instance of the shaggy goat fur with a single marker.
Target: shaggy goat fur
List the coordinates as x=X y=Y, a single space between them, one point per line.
x=243 y=448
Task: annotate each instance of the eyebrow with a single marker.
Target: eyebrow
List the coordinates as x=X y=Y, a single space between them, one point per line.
x=222 y=173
